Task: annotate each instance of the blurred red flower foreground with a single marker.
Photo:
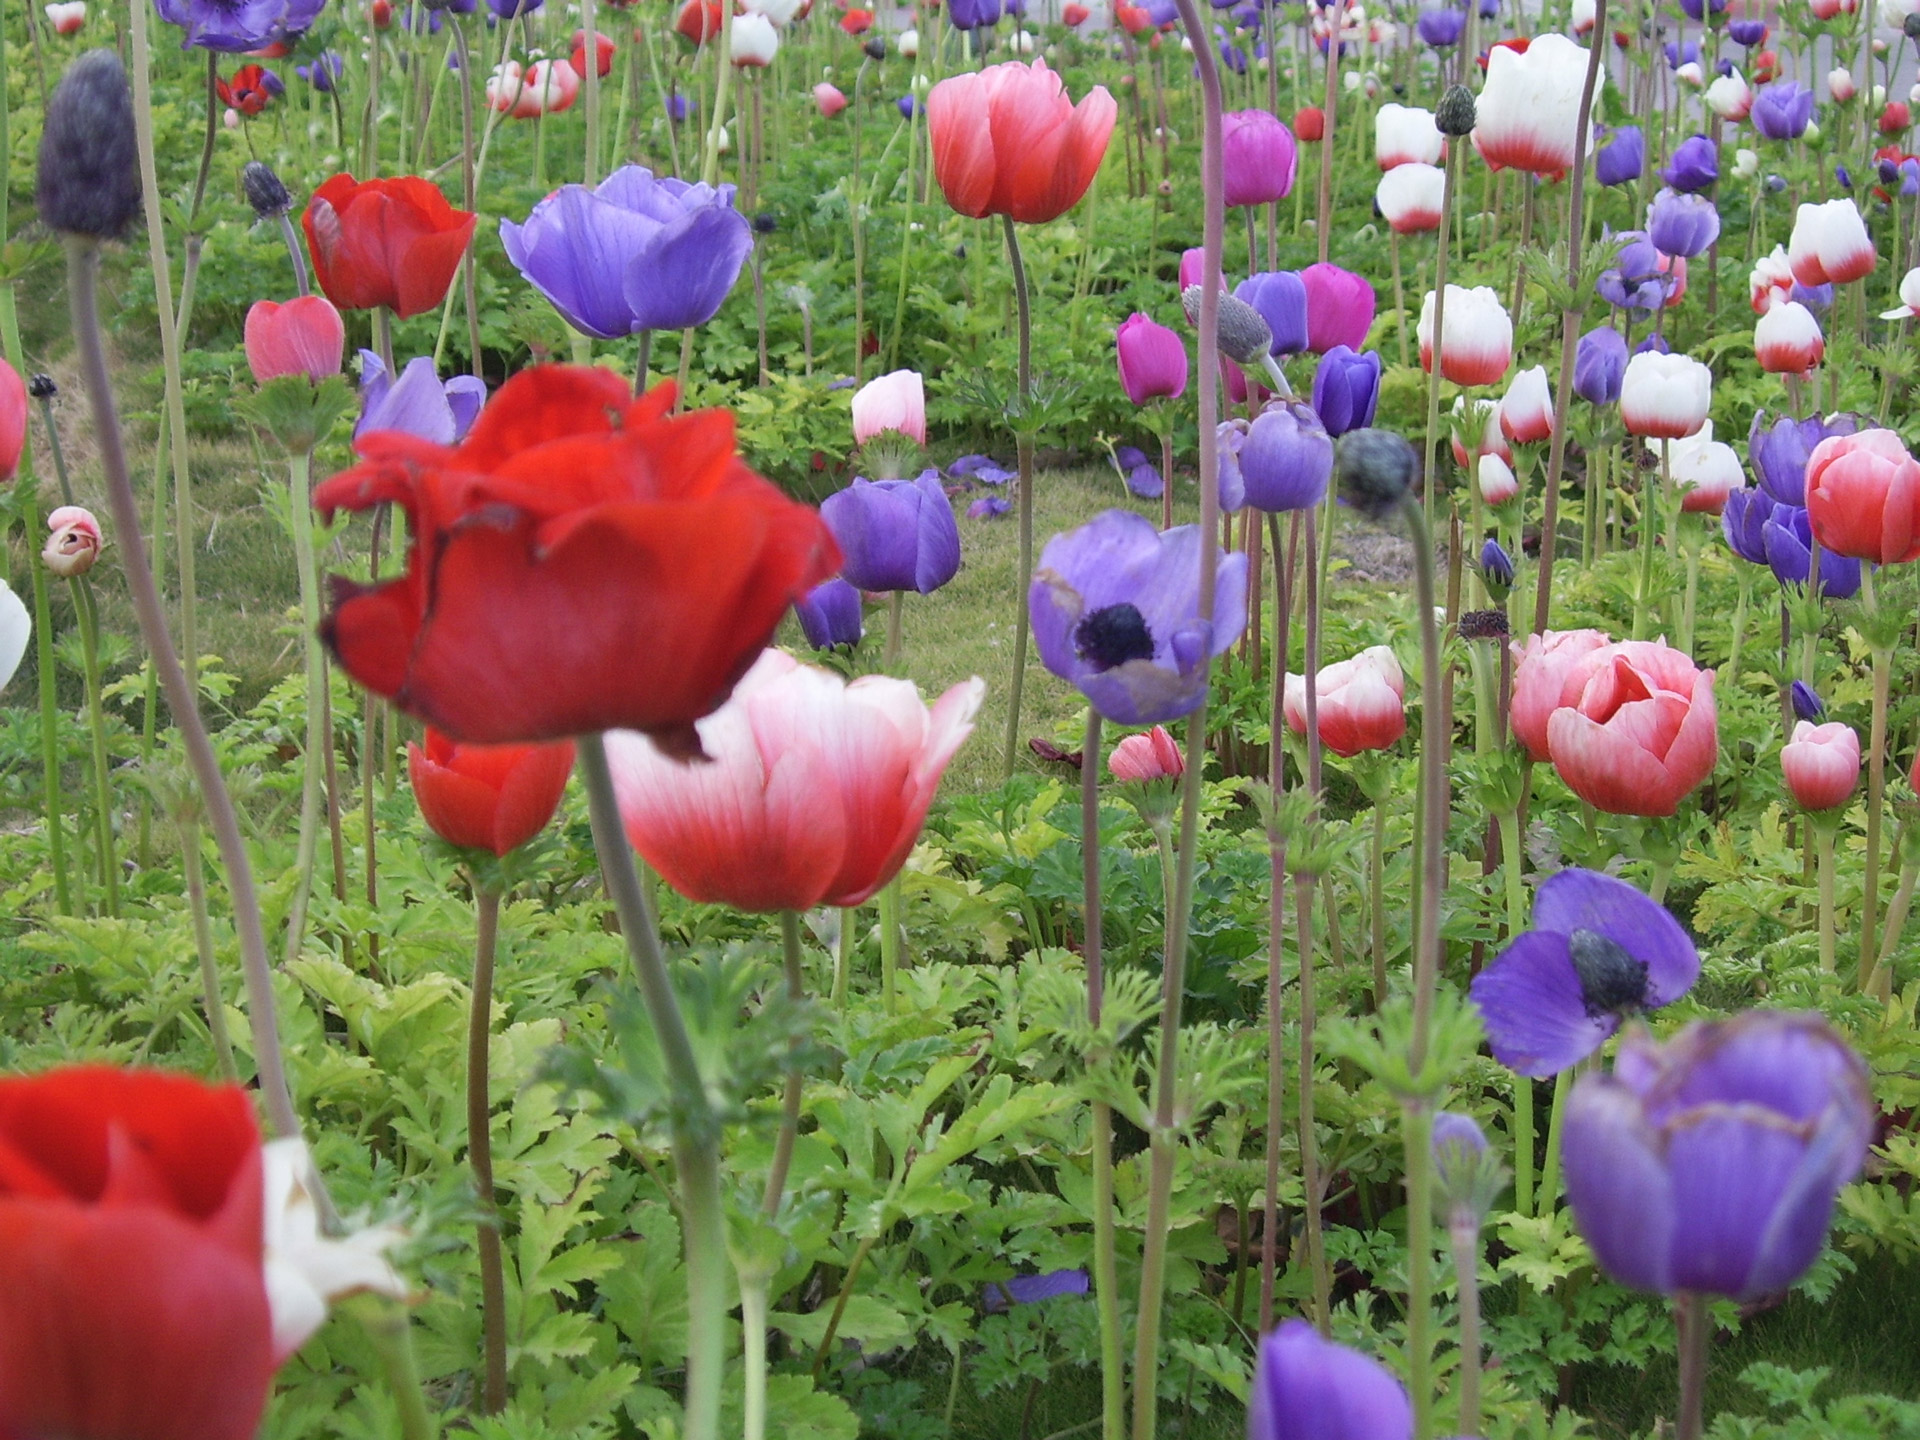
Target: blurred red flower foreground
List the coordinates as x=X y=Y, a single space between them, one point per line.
x=133 y=1304
x=582 y=561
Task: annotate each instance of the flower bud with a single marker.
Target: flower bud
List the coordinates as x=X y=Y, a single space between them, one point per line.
x=265 y=193
x=74 y=544
x=1454 y=115
x=876 y=49
x=89 y=181
x=1496 y=564
x=1376 y=468
x=1807 y=704
x=42 y=387
x=1245 y=337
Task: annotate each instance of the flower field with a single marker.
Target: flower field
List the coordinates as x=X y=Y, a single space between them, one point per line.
x=752 y=718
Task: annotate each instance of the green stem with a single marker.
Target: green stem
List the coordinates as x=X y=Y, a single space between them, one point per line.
x=1650 y=504
x=1416 y=1127
x=390 y=1329
x=1283 y=562
x=1550 y=1173
x=843 y=958
x=1106 y=1280
x=1693 y=589
x=88 y=614
x=896 y=636
x=1434 y=727
x=753 y=1336
x=1450 y=163
x=695 y=1128
x=493 y=1283
x=1876 y=783
x=50 y=790
x=203 y=943
x=1465 y=1236
x=790 y=1099
x=1823 y=832
x=889 y=943
x=1023 y=445
x=299 y=468
x=1303 y=882
x=860 y=1254
x=1376 y=890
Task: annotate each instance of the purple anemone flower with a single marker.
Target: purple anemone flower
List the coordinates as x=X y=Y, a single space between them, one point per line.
x=973 y=14
x=234 y=26
x=1598 y=949
x=1817 y=298
x=829 y=615
x=1696 y=9
x=895 y=534
x=1346 y=389
x=1283 y=461
x=633 y=254
x=1141 y=474
x=1782 y=110
x=1788 y=536
x=1778 y=450
x=1281 y=298
x=1599 y=365
x=1743 y=521
x=1621 y=156
x=1635 y=281
x=1746 y=33
x=1307 y=1388
x=1682 y=54
x=1683 y=225
x=507 y=9
x=325 y=71
x=1116 y=612
x=418 y=403
x=678 y=108
x=1710 y=1163
x=1694 y=165
x=1442 y=28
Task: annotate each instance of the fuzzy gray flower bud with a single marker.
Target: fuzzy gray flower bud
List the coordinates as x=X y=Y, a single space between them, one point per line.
x=265 y=193
x=1910 y=27
x=1454 y=115
x=89 y=181
x=1245 y=337
x=1375 y=468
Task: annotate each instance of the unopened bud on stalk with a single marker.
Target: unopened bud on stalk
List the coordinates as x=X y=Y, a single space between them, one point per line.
x=1245 y=337
x=1375 y=468
x=876 y=49
x=42 y=387
x=265 y=193
x=89 y=182
x=1454 y=116
x=1910 y=27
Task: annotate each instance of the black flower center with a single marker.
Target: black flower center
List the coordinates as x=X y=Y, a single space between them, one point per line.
x=1610 y=978
x=1112 y=636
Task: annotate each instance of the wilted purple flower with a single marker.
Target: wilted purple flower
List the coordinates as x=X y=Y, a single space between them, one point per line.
x=233 y=26
x=1286 y=459
x=1807 y=704
x=1710 y=1163
x=1788 y=536
x=1441 y=28
x=1747 y=33
x=1635 y=280
x=1743 y=520
x=1683 y=225
x=895 y=534
x=1141 y=474
x=1028 y=1289
x=1281 y=298
x=1307 y=1388
x=418 y=403
x=1116 y=612
x=1778 y=450
x=967 y=464
x=324 y=72
x=633 y=254
x=1621 y=157
x=1694 y=165
x=1782 y=110
x=989 y=507
x=1599 y=365
x=829 y=615
x=1598 y=949
x=1346 y=389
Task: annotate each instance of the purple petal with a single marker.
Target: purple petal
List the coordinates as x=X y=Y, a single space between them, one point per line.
x=1535 y=1010
x=466 y=394
x=1622 y=1198
x=1307 y=1388
x=1587 y=900
x=416 y=405
x=1730 y=1170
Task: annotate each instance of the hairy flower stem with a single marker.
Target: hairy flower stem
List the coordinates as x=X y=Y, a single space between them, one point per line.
x=590 y=91
x=753 y=1335
x=1652 y=499
x=889 y=944
x=1106 y=1282
x=1824 y=825
x=1416 y=1128
x=1569 y=325
x=694 y=1127
x=1310 y=1183
x=1163 y=1132
x=1876 y=779
x=299 y=468
x=1434 y=725
x=1695 y=1327
x=493 y=1281
x=1023 y=446
x=1323 y=200
x=209 y=963
x=1283 y=565
x=88 y=615
x=83 y=270
x=1430 y=454
x=1464 y=1234
x=52 y=806
x=390 y=1328
x=790 y=1097
x=1550 y=1171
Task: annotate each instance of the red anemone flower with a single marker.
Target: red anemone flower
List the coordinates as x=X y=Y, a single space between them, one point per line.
x=248 y=91
x=487 y=797
x=583 y=561
x=385 y=242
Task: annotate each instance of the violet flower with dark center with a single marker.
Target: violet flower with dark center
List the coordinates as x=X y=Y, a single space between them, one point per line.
x=1441 y=28
x=1598 y=950
x=895 y=534
x=1710 y=1164
x=635 y=253
x=1635 y=280
x=1116 y=612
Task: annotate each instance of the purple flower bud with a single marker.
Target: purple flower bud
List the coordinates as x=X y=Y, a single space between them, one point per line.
x=1340 y=307
x=1029 y=1289
x=1257 y=151
x=974 y=14
x=1654 y=345
x=1807 y=704
x=1747 y=33
x=1695 y=10
x=895 y=534
x=1844 y=176
x=829 y=615
x=1695 y=165
x=89 y=180
x=1817 y=298
x=1599 y=364
x=1683 y=225
x=1678 y=54
x=1304 y=1385
x=1496 y=564
x=1711 y=1163
x=1153 y=359
x=1621 y=157
x=1441 y=28
x=1281 y=298
x=1346 y=389
x=418 y=403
